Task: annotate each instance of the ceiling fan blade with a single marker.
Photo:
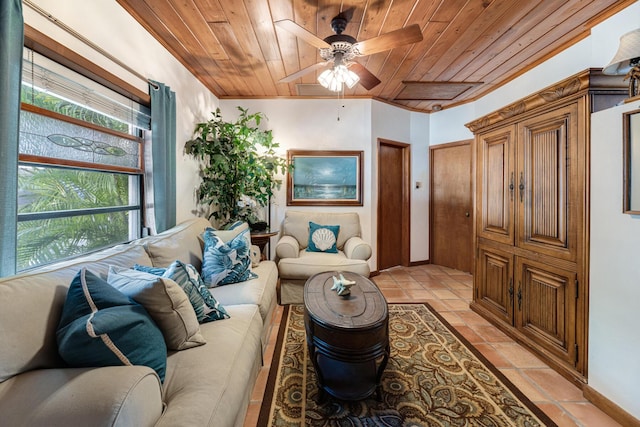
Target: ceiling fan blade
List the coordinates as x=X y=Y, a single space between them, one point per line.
x=298 y=74
x=298 y=31
x=410 y=34
x=367 y=79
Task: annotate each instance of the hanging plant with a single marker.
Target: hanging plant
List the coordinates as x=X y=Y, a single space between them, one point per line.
x=238 y=166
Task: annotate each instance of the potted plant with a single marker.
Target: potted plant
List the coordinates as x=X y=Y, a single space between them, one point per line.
x=239 y=162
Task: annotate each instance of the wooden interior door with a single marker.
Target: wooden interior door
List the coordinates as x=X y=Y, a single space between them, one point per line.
x=451 y=207
x=394 y=173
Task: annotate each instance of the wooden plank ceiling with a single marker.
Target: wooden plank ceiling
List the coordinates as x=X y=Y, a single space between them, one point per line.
x=469 y=47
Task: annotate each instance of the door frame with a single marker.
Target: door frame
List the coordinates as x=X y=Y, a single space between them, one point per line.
x=405 y=215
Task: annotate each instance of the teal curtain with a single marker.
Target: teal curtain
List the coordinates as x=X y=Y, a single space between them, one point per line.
x=163 y=151
x=11 y=43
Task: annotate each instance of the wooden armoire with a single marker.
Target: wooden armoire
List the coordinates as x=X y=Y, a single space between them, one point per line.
x=531 y=231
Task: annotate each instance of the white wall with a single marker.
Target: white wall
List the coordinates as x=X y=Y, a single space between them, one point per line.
x=614 y=296
x=420 y=124
x=352 y=124
x=109 y=26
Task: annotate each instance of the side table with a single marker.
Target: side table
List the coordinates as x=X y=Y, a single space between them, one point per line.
x=261 y=238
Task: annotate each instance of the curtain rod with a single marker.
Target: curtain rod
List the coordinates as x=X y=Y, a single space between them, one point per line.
x=86 y=41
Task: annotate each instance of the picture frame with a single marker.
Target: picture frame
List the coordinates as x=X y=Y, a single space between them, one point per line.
x=631 y=163
x=324 y=178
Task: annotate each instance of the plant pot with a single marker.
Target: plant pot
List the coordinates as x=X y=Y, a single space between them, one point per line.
x=258 y=226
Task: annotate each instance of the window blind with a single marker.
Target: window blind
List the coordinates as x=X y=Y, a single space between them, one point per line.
x=48 y=76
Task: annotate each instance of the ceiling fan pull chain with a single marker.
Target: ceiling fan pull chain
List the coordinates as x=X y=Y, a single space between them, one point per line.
x=340 y=104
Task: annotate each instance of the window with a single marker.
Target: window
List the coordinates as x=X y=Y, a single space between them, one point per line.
x=80 y=165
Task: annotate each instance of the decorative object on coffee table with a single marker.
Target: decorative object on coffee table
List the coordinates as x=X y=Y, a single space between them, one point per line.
x=342 y=286
x=348 y=337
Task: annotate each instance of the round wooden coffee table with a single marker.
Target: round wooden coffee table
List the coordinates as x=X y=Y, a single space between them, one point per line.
x=347 y=336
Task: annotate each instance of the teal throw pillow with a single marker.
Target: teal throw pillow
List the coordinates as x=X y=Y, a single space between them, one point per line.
x=207 y=308
x=100 y=326
x=323 y=238
x=226 y=263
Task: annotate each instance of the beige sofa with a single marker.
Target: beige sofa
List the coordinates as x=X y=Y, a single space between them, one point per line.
x=296 y=264
x=206 y=385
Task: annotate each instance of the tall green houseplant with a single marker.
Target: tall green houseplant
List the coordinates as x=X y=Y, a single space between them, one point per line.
x=239 y=161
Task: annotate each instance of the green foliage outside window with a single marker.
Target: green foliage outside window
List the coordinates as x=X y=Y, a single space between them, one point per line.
x=52 y=189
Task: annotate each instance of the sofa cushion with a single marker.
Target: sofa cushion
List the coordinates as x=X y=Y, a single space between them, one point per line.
x=259 y=291
x=226 y=263
x=206 y=307
x=100 y=326
x=166 y=302
x=31 y=304
x=310 y=263
x=116 y=396
x=323 y=238
x=232 y=357
x=178 y=243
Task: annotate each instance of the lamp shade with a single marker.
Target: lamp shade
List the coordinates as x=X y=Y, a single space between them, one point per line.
x=333 y=78
x=629 y=49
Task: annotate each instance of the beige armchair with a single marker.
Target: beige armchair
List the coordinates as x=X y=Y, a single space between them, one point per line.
x=296 y=264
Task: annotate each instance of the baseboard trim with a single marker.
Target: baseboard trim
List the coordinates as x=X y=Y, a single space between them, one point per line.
x=411 y=264
x=609 y=408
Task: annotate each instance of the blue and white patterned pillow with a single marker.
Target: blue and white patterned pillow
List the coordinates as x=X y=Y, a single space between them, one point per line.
x=226 y=263
x=207 y=308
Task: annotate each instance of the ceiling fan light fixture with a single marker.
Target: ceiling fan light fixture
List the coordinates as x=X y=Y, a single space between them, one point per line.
x=335 y=77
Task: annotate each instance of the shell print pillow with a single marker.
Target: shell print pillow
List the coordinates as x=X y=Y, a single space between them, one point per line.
x=323 y=238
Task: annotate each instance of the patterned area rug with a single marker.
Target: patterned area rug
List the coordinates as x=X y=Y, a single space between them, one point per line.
x=434 y=378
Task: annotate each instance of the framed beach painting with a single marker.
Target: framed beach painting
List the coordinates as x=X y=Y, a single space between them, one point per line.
x=324 y=178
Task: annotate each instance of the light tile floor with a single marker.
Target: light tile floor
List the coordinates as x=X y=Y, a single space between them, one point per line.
x=448 y=291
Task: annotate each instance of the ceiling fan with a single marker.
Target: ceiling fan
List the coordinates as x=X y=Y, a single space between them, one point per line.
x=339 y=50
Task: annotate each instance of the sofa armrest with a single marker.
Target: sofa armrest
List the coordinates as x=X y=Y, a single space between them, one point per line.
x=109 y=396
x=356 y=248
x=287 y=247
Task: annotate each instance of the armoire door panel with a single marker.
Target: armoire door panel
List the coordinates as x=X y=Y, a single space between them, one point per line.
x=496 y=185
x=546 y=183
x=546 y=307
x=494 y=269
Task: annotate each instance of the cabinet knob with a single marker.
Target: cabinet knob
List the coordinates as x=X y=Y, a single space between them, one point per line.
x=467 y=214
